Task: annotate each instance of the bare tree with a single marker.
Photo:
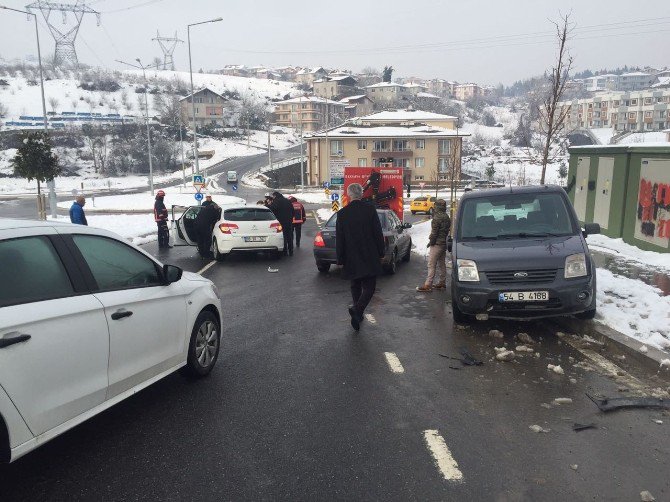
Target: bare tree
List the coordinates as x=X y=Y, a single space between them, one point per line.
x=53 y=103
x=552 y=117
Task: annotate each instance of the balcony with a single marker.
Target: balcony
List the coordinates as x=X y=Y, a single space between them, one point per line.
x=400 y=153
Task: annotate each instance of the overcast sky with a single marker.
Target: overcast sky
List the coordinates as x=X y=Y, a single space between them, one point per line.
x=484 y=41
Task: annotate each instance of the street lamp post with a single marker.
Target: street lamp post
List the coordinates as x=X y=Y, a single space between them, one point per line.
x=51 y=184
x=190 y=68
x=146 y=117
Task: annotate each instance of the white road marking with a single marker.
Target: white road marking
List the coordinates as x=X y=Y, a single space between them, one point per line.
x=206 y=267
x=443 y=458
x=316 y=217
x=370 y=318
x=394 y=362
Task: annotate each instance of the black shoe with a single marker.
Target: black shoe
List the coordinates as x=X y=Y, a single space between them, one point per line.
x=355 y=319
x=290 y=253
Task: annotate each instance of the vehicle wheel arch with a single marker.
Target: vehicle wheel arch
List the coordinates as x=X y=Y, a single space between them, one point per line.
x=5 y=449
x=212 y=308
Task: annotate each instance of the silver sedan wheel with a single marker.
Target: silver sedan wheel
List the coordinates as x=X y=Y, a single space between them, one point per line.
x=206 y=343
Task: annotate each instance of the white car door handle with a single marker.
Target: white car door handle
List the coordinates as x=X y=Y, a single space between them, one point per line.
x=120 y=314
x=12 y=338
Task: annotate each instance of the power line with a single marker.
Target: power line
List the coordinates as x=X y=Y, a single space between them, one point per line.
x=143 y=4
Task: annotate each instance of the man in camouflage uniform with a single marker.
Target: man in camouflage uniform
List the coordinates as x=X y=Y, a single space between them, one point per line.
x=437 y=244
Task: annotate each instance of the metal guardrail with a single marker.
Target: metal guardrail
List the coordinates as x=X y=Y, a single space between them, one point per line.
x=280 y=164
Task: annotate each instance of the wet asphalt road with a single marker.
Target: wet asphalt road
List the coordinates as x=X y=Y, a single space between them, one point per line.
x=300 y=407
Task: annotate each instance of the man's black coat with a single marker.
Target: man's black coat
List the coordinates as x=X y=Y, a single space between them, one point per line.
x=360 y=241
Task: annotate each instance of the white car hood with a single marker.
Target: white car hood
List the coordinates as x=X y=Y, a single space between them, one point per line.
x=191 y=276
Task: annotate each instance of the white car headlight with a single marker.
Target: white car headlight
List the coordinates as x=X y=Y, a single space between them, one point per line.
x=575 y=266
x=467 y=271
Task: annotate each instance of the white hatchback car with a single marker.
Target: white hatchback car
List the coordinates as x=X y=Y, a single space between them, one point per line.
x=241 y=228
x=86 y=320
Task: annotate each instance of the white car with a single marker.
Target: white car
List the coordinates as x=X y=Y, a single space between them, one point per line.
x=86 y=320
x=240 y=228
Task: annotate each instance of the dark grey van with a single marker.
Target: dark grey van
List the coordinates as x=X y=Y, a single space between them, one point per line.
x=519 y=253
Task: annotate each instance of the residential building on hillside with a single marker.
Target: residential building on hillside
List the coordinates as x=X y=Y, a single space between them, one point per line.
x=386 y=92
x=426 y=154
x=331 y=87
x=441 y=87
x=311 y=113
x=307 y=76
x=358 y=106
x=635 y=81
x=408 y=117
x=465 y=92
x=209 y=108
x=623 y=111
x=235 y=70
x=606 y=82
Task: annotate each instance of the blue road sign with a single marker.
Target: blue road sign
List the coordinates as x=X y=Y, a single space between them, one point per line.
x=334 y=197
x=235 y=188
x=326 y=184
x=198 y=179
x=198 y=196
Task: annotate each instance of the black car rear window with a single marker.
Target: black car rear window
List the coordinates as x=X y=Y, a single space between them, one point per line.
x=514 y=215
x=248 y=214
x=332 y=222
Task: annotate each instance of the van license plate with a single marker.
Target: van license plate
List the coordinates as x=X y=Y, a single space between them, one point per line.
x=524 y=296
x=254 y=239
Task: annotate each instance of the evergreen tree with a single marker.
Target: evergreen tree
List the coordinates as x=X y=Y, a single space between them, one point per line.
x=34 y=159
x=387 y=73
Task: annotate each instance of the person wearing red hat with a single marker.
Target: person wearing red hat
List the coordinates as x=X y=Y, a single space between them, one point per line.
x=161 y=217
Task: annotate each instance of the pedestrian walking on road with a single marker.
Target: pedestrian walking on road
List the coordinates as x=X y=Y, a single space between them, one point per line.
x=204 y=225
x=360 y=250
x=161 y=217
x=77 y=214
x=437 y=245
x=283 y=211
x=299 y=217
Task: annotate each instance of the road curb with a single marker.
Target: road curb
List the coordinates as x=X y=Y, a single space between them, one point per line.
x=618 y=343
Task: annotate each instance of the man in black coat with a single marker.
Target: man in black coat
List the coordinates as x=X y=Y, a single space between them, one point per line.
x=204 y=224
x=360 y=249
x=283 y=211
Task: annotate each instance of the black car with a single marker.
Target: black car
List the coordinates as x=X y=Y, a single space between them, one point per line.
x=519 y=253
x=398 y=242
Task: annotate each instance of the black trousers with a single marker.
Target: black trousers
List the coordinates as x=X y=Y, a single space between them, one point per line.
x=163 y=234
x=288 y=238
x=204 y=243
x=362 y=291
x=297 y=230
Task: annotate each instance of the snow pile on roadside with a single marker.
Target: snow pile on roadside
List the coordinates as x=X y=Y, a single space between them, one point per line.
x=324 y=214
x=628 y=252
x=145 y=202
x=312 y=197
x=634 y=308
x=137 y=228
x=420 y=233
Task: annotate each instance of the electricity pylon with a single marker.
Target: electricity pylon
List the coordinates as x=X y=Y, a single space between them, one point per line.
x=168 y=45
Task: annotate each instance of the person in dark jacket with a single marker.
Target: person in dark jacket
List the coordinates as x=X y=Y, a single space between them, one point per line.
x=204 y=224
x=360 y=249
x=440 y=227
x=161 y=217
x=77 y=214
x=299 y=217
x=283 y=211
x=208 y=201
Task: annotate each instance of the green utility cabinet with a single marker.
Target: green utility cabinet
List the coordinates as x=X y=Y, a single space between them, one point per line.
x=626 y=189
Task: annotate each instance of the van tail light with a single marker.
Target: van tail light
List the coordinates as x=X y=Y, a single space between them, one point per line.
x=318 y=241
x=277 y=226
x=226 y=228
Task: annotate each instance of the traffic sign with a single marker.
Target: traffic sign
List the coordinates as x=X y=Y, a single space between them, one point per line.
x=327 y=191
x=422 y=184
x=198 y=180
x=198 y=196
x=235 y=188
x=326 y=184
x=335 y=206
x=337 y=181
x=334 y=197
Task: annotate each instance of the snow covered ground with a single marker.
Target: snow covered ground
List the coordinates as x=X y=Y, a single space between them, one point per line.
x=145 y=202
x=620 y=249
x=137 y=228
x=626 y=305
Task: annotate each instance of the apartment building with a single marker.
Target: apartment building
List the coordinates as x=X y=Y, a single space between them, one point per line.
x=307 y=76
x=409 y=117
x=311 y=113
x=335 y=86
x=209 y=108
x=358 y=106
x=622 y=111
x=465 y=92
x=386 y=92
x=425 y=153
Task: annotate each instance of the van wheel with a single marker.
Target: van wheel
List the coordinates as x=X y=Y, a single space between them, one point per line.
x=587 y=315
x=323 y=267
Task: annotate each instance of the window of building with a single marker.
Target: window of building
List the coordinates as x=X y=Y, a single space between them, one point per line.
x=420 y=144
x=633 y=102
x=631 y=115
x=418 y=178
x=362 y=144
x=380 y=146
x=400 y=145
x=648 y=101
x=404 y=163
x=419 y=162
x=444 y=146
x=442 y=165
x=362 y=162
x=647 y=114
x=616 y=102
x=336 y=147
x=649 y=125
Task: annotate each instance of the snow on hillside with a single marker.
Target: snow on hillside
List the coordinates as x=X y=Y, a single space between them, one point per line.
x=21 y=96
